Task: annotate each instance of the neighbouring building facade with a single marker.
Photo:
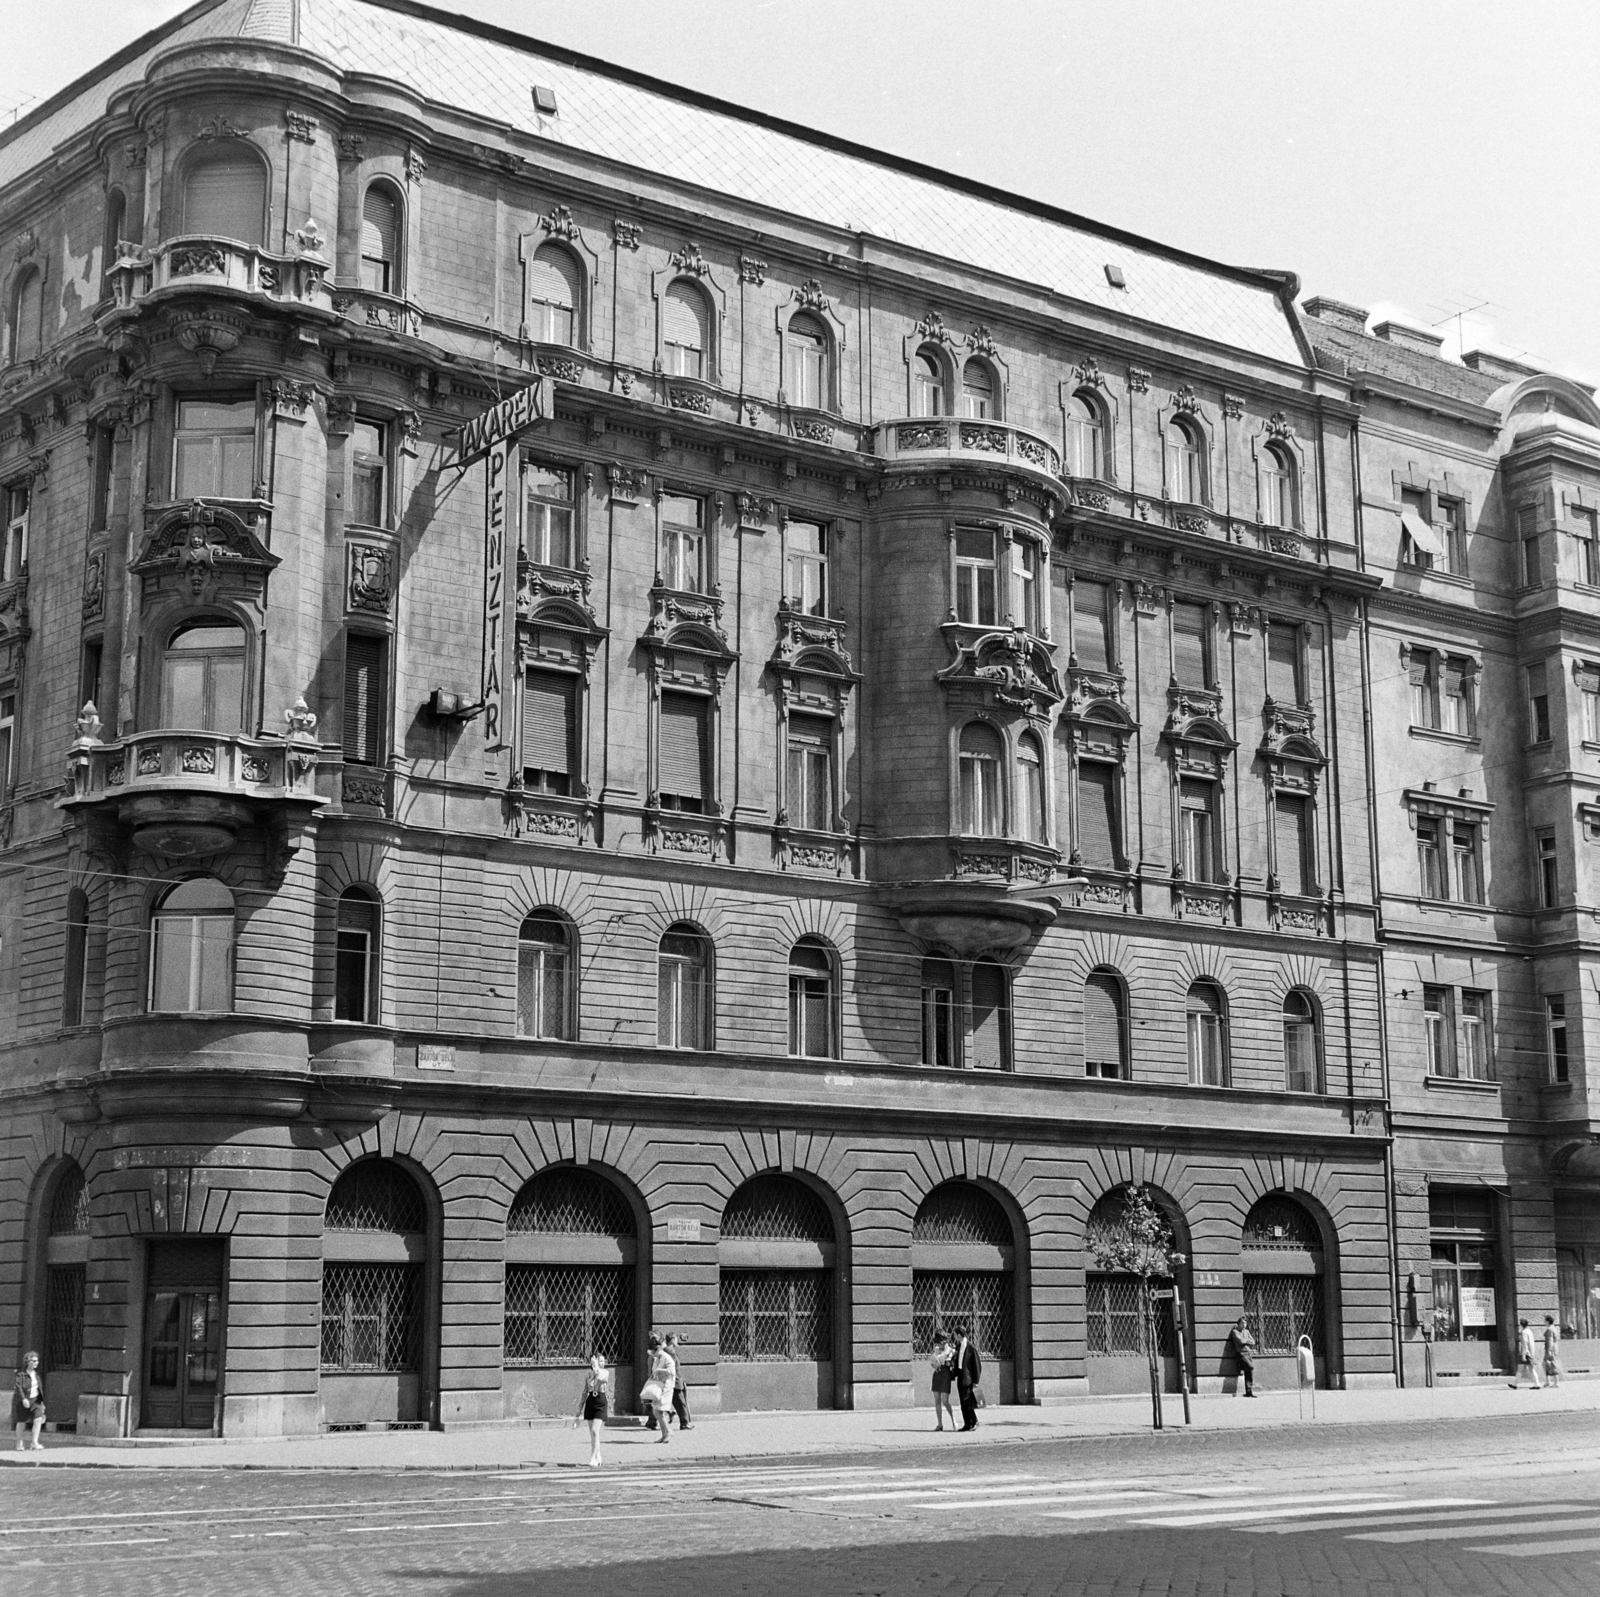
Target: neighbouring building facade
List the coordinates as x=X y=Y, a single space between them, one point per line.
x=934 y=718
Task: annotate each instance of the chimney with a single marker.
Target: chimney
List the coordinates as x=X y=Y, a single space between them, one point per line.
x=1497 y=366
x=1411 y=337
x=1351 y=318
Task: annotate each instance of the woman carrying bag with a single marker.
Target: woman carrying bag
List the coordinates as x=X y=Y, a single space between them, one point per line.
x=592 y=1405
x=656 y=1393
x=27 y=1403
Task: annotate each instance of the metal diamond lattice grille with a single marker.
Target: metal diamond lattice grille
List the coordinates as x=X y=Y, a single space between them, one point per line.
x=572 y=1203
x=1275 y=1224
x=369 y=1317
x=375 y=1196
x=1283 y=1308
x=564 y=1314
x=64 y=1349
x=777 y=1208
x=775 y=1315
x=980 y=1300
x=69 y=1213
x=960 y=1212
x=1113 y=1322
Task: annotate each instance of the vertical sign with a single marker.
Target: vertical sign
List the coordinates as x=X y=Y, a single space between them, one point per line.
x=494 y=599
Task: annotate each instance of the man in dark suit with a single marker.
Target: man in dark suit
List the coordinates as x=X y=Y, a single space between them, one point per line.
x=968 y=1369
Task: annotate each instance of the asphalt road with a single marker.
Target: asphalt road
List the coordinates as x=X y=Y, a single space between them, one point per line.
x=1446 y=1509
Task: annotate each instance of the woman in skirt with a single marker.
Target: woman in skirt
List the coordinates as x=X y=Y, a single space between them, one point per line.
x=942 y=1351
x=592 y=1406
x=27 y=1402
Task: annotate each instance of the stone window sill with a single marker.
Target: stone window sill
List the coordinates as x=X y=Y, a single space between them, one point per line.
x=1435 y=734
x=1467 y=1084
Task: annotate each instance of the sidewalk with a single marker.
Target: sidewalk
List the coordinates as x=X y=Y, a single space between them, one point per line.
x=732 y=1436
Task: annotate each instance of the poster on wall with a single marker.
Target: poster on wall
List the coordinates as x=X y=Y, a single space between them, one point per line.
x=1477 y=1305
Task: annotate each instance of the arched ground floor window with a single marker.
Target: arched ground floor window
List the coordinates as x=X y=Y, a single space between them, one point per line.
x=1284 y=1298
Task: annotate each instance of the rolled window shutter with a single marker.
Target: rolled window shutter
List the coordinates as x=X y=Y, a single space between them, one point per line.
x=363 y=699
x=683 y=744
x=551 y=278
x=380 y=225
x=1097 y=816
x=1290 y=821
x=1418 y=669
x=1282 y=653
x=226 y=199
x=549 y=703
x=684 y=319
x=1188 y=644
x=1454 y=676
x=1102 y=1023
x=1089 y=639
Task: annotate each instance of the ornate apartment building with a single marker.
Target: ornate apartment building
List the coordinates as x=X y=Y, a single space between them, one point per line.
x=927 y=713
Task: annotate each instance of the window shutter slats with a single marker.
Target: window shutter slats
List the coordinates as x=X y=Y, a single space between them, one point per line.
x=380 y=225
x=1097 y=825
x=226 y=199
x=1102 y=1024
x=363 y=699
x=683 y=745
x=1282 y=665
x=684 y=321
x=1189 y=644
x=549 y=703
x=1290 y=823
x=1418 y=669
x=1089 y=633
x=551 y=278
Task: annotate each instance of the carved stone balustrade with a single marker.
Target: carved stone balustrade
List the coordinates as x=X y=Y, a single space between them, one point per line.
x=176 y=264
x=367 y=308
x=970 y=443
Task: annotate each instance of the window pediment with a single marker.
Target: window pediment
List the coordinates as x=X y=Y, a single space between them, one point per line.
x=1010 y=668
x=202 y=543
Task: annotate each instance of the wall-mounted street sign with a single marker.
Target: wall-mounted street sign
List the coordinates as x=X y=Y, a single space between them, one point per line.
x=525 y=408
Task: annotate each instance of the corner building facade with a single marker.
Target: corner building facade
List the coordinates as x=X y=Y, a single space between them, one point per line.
x=922 y=787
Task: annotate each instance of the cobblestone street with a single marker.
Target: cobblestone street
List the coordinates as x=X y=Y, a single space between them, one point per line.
x=1468 y=1508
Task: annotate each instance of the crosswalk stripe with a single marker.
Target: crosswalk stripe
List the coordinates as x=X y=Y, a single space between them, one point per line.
x=1306 y=1511
x=1055 y=1494
x=1449 y=1533
x=1185 y=1503
x=1583 y=1544
x=1475 y=1516
x=887 y=1493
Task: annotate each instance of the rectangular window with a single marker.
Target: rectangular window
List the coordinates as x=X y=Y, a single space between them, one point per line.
x=1589 y=691
x=1555 y=1032
x=685 y=744
x=100 y=504
x=1191 y=645
x=975 y=578
x=1025 y=584
x=1197 y=836
x=8 y=736
x=14 y=556
x=1452 y=531
x=938 y=1013
x=1456 y=709
x=1284 y=685
x=1208 y=1058
x=1477 y=1055
x=1464 y=841
x=547 y=515
x=1439 y=1025
x=806 y=579
x=1588 y=534
x=369 y=474
x=1544 y=844
x=810 y=795
x=1430 y=879
x=214 y=452
x=1528 y=539
x=1417 y=540
x=683 y=543
x=89 y=683
x=1292 y=835
x=1098 y=832
x=352 y=970
x=364 y=698
x=1091 y=626
x=549 y=727
x=1538 y=705
x=1423 y=670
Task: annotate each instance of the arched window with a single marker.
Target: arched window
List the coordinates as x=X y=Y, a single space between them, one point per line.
x=225 y=196
x=202 y=678
x=27 y=316
x=806 y=363
x=554 y=295
x=1105 y=1027
x=982 y=804
x=1114 y=1320
x=1085 y=438
x=1281 y=1253
x=964 y=1274
x=683 y=993
x=76 y=974
x=685 y=331
x=1184 y=478
x=1302 y=1055
x=927 y=384
x=1208 y=1036
x=940 y=1000
x=1030 y=788
x=380 y=239
x=977 y=389
x=989 y=1044
x=812 y=1032
x=544 y=977
x=356 y=957
x=1277 y=487
x=66 y=1259
x=191 y=948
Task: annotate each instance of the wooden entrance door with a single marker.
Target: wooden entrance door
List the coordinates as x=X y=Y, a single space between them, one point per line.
x=183 y=1336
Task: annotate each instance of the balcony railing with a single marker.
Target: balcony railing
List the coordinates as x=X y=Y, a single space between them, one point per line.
x=934 y=440
x=198 y=262
x=227 y=764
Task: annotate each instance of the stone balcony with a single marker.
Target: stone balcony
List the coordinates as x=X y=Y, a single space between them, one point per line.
x=969 y=443
x=142 y=273
x=182 y=795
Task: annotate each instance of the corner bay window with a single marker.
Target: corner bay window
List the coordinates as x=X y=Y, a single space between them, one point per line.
x=976 y=577
x=683 y=997
x=214 y=449
x=811 y=1001
x=202 y=678
x=365 y=698
x=1030 y=788
x=225 y=195
x=1025 y=585
x=982 y=807
x=355 y=988
x=1208 y=1036
x=191 y=948
x=369 y=472
x=810 y=773
x=1555 y=1034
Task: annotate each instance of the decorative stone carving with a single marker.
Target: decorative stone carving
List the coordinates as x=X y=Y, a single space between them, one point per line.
x=201 y=543
x=981 y=342
x=809 y=296
x=800 y=634
x=341 y=417
x=625 y=235
x=670 y=610
x=691 y=399
x=558 y=223
x=752 y=271
x=219 y=127
x=94 y=585
x=1185 y=401
x=550 y=822
x=987 y=440
x=300 y=127
x=1242 y=619
x=352 y=146
x=1190 y=521
x=1087 y=374
x=982 y=864
x=371 y=585
x=816 y=432
x=754 y=510
x=300 y=719
x=569 y=371
x=931 y=329
x=686 y=842
x=627 y=485
x=922 y=435
x=410 y=432
x=689 y=261
x=1011 y=667
x=309 y=237
x=136 y=154
x=1090 y=498
x=1232 y=406
x=1138 y=380
x=812 y=856
x=291 y=398
x=358 y=785
x=198 y=260
x=416 y=166
x=752 y=414
x=253 y=768
x=1279 y=426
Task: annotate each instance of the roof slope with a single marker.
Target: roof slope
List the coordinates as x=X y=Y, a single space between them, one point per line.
x=1401 y=364
x=622 y=117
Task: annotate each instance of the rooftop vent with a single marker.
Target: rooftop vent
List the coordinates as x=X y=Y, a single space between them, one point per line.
x=544 y=100
x=1336 y=313
x=1115 y=277
x=1411 y=337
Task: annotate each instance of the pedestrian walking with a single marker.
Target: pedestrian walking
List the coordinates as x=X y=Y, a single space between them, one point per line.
x=1552 y=1351
x=943 y=1354
x=593 y=1404
x=680 y=1392
x=967 y=1366
x=27 y=1402
x=1242 y=1345
x=1527 y=1358
x=657 y=1391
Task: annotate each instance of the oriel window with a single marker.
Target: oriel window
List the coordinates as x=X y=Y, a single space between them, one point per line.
x=806 y=579
x=365 y=698
x=191 y=948
x=369 y=474
x=1025 y=584
x=202 y=678
x=683 y=543
x=982 y=805
x=214 y=454
x=547 y=514
x=975 y=576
